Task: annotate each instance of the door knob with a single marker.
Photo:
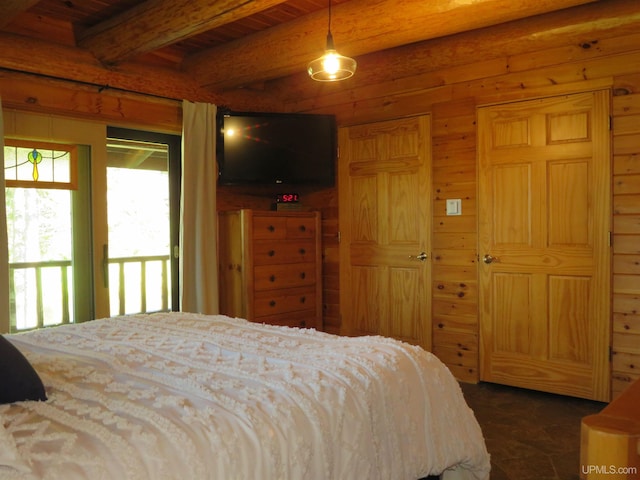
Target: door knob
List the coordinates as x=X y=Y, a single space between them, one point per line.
x=489 y=259
x=422 y=256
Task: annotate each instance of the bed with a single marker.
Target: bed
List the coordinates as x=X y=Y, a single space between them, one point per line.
x=190 y=397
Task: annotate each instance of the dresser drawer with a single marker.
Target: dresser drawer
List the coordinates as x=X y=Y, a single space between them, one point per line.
x=301 y=227
x=301 y=319
x=269 y=228
x=267 y=277
x=273 y=302
x=297 y=251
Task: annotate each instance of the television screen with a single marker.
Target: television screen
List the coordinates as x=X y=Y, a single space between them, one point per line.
x=276 y=149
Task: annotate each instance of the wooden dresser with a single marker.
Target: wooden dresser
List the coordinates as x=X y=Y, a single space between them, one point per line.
x=270 y=267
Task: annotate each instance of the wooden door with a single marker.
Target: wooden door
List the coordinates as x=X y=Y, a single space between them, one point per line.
x=544 y=229
x=384 y=176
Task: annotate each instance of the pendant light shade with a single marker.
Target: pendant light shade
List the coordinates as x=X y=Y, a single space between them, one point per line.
x=331 y=66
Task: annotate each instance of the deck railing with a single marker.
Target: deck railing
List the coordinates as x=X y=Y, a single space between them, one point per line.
x=21 y=295
x=61 y=291
x=123 y=288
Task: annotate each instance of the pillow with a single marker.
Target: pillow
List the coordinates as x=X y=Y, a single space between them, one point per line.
x=18 y=380
x=9 y=456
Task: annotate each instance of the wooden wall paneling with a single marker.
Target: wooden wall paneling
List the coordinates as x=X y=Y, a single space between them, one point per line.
x=626 y=204
x=627 y=103
x=576 y=52
x=626 y=283
x=627 y=264
x=459 y=350
x=238 y=198
x=625 y=341
x=626 y=224
x=326 y=201
x=455 y=240
x=386 y=107
x=626 y=323
x=626 y=370
x=627 y=125
x=626 y=244
x=626 y=363
x=626 y=144
x=454 y=259
x=626 y=229
x=626 y=164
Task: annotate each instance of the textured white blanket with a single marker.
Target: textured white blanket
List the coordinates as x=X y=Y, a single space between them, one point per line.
x=190 y=397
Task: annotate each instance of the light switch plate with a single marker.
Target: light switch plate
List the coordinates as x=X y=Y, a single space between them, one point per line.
x=454 y=206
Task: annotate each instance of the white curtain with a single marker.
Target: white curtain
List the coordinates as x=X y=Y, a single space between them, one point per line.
x=198 y=217
x=4 y=249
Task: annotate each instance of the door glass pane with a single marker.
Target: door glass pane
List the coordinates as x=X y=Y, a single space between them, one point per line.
x=40 y=240
x=139 y=227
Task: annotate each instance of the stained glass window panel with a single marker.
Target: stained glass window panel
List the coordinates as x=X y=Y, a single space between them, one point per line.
x=39 y=164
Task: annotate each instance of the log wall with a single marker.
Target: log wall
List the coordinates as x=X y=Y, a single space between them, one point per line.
x=451 y=96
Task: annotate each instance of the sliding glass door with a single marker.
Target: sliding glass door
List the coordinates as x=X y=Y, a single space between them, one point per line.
x=92 y=220
x=140 y=259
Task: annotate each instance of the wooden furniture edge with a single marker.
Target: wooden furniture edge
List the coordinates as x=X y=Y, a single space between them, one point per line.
x=610 y=440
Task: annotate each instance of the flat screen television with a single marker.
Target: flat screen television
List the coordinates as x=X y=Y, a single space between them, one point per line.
x=276 y=149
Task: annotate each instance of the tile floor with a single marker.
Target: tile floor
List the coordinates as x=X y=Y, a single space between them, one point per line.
x=530 y=435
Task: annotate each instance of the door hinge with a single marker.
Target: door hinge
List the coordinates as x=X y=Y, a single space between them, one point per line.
x=339 y=236
x=611 y=239
x=610 y=122
x=610 y=354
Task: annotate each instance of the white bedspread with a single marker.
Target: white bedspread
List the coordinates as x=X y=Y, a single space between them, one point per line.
x=190 y=397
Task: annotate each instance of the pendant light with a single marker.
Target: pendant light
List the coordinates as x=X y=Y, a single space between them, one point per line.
x=331 y=66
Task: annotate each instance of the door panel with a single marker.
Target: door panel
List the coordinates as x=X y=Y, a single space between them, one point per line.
x=544 y=222
x=384 y=218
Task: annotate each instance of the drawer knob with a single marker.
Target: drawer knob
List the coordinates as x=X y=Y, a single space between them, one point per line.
x=303 y=275
x=302 y=251
x=272 y=278
x=271 y=228
x=303 y=228
x=303 y=323
x=271 y=253
x=303 y=299
x=272 y=303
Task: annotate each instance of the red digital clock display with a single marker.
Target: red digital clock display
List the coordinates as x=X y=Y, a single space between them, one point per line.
x=287 y=198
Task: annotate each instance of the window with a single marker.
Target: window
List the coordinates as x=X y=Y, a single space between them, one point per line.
x=47 y=226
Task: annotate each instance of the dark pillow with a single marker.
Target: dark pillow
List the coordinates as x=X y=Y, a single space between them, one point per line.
x=18 y=380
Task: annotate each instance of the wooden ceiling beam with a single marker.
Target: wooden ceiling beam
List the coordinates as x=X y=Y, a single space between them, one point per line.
x=20 y=53
x=9 y=9
x=359 y=27
x=157 y=23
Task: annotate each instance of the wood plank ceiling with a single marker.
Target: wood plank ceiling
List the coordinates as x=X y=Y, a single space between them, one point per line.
x=225 y=44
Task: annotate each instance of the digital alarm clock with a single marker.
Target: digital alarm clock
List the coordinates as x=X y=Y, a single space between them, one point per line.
x=287 y=198
x=287 y=202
